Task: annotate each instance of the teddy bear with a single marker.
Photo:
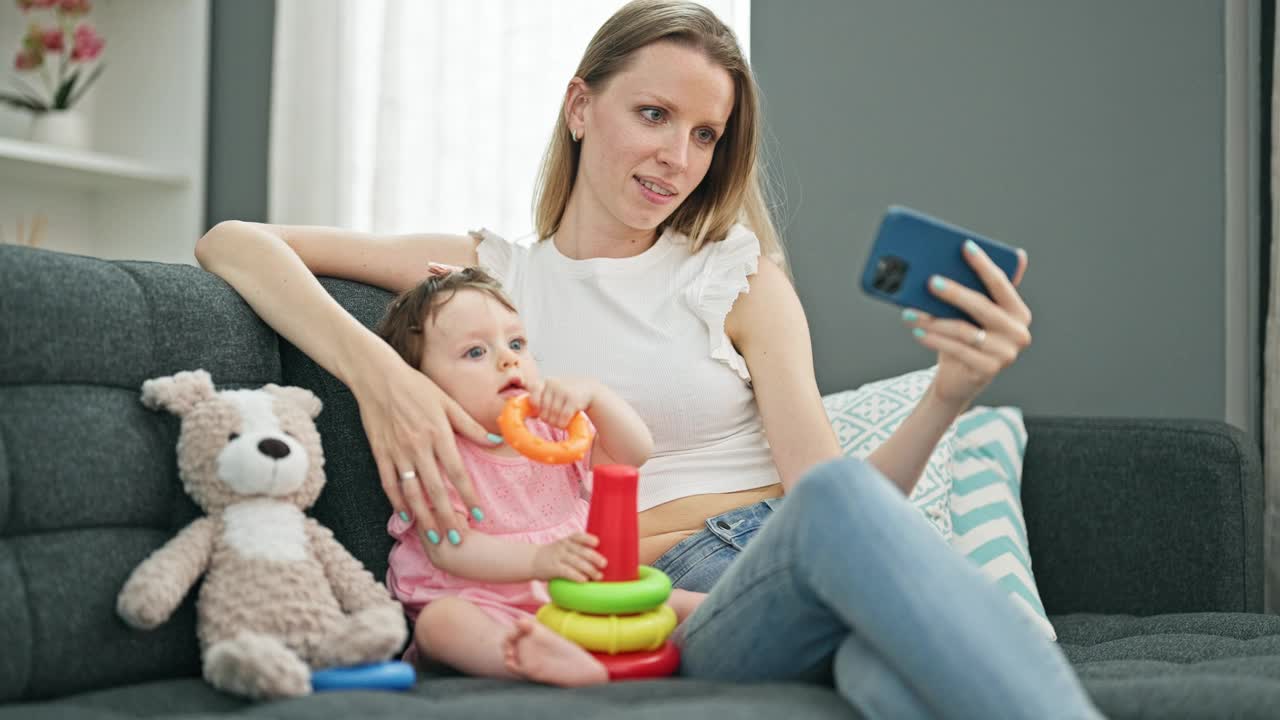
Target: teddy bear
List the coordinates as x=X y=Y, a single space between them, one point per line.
x=281 y=597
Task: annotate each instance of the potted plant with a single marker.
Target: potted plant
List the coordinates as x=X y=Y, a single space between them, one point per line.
x=56 y=64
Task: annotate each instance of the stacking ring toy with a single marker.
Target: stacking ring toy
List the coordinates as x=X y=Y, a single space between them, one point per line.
x=518 y=436
x=613 y=598
x=611 y=634
x=637 y=665
x=390 y=675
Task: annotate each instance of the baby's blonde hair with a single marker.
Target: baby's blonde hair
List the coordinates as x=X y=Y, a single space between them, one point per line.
x=402 y=323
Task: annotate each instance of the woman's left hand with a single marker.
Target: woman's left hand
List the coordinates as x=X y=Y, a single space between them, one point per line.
x=970 y=356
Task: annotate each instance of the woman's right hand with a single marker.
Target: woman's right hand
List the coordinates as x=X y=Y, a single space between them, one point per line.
x=410 y=423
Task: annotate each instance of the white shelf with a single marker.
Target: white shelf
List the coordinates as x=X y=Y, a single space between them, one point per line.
x=65 y=166
x=139 y=193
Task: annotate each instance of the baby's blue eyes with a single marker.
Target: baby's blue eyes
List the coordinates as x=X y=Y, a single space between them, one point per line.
x=477 y=352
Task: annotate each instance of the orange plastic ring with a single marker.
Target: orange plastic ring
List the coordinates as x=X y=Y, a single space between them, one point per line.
x=518 y=436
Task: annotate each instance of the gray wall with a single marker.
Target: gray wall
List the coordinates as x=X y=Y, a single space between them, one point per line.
x=241 y=33
x=1089 y=132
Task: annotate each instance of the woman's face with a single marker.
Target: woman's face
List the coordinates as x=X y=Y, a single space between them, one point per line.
x=649 y=135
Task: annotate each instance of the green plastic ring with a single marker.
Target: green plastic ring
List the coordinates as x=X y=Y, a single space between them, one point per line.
x=650 y=590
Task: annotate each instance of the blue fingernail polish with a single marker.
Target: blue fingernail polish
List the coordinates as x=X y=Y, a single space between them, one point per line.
x=495 y=439
x=909 y=315
x=971 y=247
x=432 y=537
x=938 y=283
x=404 y=516
x=918 y=332
x=454 y=537
x=478 y=514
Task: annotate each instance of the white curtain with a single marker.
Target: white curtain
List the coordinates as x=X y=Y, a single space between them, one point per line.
x=1271 y=362
x=424 y=115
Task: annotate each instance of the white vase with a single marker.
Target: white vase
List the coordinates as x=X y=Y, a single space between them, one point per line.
x=66 y=128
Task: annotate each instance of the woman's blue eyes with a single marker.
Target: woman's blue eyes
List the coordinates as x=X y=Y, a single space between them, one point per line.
x=656 y=115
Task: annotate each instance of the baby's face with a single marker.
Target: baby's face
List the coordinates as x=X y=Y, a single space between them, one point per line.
x=476 y=352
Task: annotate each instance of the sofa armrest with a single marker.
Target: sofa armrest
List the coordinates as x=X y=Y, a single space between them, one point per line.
x=1143 y=516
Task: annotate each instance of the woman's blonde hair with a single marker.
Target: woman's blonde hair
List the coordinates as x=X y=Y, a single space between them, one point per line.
x=732 y=190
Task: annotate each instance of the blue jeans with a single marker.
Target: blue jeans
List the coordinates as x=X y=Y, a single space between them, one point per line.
x=847 y=580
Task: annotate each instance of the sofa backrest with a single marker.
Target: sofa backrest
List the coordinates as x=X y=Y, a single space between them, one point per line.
x=88 y=478
x=1143 y=516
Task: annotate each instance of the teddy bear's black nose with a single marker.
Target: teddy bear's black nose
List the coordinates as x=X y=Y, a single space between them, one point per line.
x=274 y=448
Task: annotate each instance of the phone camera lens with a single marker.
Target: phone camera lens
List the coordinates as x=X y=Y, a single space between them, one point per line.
x=890 y=271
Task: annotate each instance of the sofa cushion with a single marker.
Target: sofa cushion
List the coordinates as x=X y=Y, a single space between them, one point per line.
x=352 y=504
x=1143 y=516
x=986 y=504
x=1194 y=665
x=88 y=480
x=865 y=417
x=1169 y=666
x=458 y=699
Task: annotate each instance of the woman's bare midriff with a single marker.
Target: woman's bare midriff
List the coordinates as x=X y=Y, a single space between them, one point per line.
x=662 y=527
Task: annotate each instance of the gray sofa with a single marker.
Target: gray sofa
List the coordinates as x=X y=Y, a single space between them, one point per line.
x=1146 y=534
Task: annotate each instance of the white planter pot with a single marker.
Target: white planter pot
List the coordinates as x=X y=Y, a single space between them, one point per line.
x=66 y=128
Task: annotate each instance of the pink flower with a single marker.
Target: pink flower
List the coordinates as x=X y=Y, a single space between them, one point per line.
x=74 y=8
x=51 y=39
x=27 y=60
x=88 y=45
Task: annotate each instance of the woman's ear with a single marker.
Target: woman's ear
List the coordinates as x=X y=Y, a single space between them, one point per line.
x=575 y=105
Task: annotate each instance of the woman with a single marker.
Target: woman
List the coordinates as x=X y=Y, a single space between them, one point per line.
x=658 y=270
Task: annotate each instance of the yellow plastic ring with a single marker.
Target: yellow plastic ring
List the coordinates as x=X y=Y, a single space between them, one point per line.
x=611 y=634
x=648 y=591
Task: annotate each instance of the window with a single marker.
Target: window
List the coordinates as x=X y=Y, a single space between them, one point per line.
x=410 y=116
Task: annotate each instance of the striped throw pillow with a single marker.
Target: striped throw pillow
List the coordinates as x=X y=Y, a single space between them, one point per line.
x=986 y=504
x=864 y=418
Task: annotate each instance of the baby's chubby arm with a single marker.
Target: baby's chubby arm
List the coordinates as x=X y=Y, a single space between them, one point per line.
x=491 y=559
x=621 y=435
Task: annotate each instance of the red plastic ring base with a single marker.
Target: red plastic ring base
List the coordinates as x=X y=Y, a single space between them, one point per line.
x=639 y=665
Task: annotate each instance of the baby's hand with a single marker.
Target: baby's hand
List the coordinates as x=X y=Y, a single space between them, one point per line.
x=572 y=558
x=557 y=400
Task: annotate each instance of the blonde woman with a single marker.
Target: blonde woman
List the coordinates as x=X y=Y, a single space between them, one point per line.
x=658 y=271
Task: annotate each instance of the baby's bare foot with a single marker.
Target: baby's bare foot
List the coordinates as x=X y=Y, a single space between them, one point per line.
x=535 y=652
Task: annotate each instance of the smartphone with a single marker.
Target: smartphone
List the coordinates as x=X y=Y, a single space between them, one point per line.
x=911 y=247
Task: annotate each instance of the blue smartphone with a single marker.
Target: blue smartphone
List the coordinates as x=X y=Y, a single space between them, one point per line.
x=911 y=247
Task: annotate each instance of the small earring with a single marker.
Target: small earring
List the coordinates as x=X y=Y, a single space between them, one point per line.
x=574 y=134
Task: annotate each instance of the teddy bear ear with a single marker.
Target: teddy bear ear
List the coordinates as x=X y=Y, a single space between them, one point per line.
x=301 y=397
x=178 y=393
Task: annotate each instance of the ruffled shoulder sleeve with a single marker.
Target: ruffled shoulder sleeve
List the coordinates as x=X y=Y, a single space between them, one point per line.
x=724 y=277
x=497 y=254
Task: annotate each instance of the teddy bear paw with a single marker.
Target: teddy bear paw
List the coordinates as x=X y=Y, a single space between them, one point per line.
x=369 y=635
x=256 y=666
x=140 y=611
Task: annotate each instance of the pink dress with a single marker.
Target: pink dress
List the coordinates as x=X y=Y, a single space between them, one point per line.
x=523 y=502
